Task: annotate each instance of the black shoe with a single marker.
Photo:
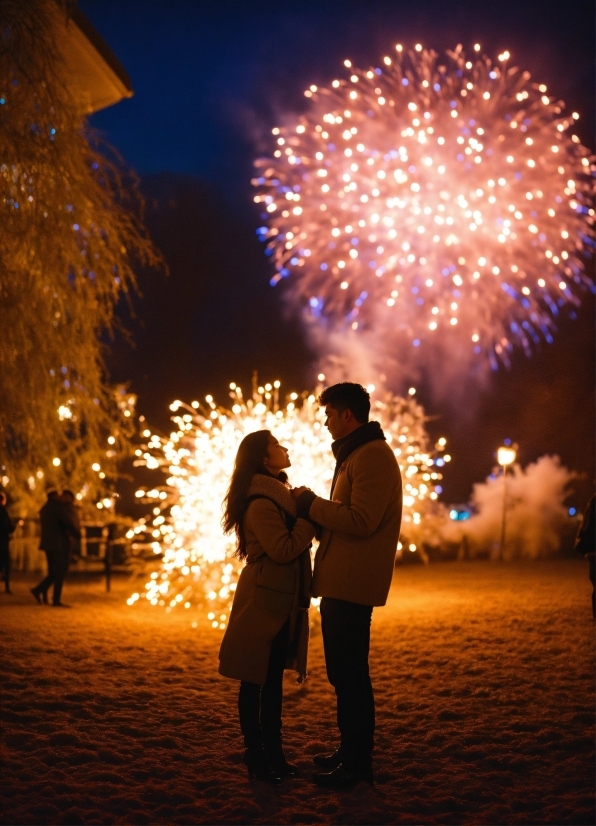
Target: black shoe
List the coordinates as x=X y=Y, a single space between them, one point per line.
x=342 y=778
x=8 y=591
x=279 y=764
x=36 y=595
x=60 y=605
x=259 y=768
x=328 y=761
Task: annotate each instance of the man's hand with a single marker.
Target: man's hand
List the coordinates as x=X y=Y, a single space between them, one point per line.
x=304 y=497
x=297 y=491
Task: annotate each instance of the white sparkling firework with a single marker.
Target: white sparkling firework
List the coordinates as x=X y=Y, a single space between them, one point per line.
x=196 y=566
x=436 y=196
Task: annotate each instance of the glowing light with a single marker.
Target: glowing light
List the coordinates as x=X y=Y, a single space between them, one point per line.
x=197 y=562
x=506 y=456
x=471 y=178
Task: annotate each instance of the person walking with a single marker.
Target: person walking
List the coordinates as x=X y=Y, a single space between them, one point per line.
x=268 y=626
x=353 y=570
x=59 y=523
x=6 y=528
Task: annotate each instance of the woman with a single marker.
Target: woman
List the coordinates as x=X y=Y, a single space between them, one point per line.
x=268 y=627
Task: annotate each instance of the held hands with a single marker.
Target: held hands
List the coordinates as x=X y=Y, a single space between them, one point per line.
x=304 y=497
x=297 y=491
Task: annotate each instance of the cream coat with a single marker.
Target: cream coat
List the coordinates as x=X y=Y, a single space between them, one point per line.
x=268 y=594
x=356 y=555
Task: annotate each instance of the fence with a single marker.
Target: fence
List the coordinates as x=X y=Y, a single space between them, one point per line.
x=97 y=550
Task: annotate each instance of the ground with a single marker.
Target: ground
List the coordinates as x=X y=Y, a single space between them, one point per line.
x=484 y=679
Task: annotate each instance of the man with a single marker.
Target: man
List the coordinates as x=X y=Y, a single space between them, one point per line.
x=353 y=570
x=6 y=528
x=59 y=523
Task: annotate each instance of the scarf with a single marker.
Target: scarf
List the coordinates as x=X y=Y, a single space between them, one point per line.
x=264 y=485
x=369 y=432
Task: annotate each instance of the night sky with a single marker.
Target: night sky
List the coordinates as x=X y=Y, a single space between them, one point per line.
x=210 y=80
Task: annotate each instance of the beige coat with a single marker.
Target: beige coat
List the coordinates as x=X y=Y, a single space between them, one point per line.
x=274 y=586
x=356 y=556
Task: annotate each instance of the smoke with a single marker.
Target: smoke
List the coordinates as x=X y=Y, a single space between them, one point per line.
x=345 y=356
x=536 y=516
x=370 y=356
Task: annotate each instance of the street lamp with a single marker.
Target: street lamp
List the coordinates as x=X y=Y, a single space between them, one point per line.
x=505 y=457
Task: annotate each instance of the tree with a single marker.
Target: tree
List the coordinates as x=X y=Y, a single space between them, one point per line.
x=71 y=239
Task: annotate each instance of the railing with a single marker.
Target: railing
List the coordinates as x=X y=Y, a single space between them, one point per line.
x=95 y=546
x=24 y=548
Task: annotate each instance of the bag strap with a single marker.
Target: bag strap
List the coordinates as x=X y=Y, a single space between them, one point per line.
x=288 y=519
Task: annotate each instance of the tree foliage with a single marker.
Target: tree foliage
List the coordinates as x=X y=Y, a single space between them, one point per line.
x=71 y=239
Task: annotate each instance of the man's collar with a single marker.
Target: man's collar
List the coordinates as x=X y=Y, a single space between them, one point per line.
x=367 y=432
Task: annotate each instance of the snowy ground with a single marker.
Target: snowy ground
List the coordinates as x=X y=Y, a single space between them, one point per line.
x=484 y=679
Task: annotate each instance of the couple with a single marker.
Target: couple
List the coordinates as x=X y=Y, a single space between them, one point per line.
x=60 y=528
x=358 y=530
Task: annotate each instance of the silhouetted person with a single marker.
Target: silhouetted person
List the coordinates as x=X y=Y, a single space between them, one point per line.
x=584 y=544
x=68 y=500
x=6 y=528
x=59 y=522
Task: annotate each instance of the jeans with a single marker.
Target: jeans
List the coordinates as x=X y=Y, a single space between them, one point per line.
x=346 y=640
x=260 y=706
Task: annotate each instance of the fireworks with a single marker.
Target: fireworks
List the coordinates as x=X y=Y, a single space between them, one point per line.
x=432 y=197
x=196 y=566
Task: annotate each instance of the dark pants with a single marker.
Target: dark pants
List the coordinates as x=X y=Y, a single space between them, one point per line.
x=5 y=566
x=57 y=567
x=346 y=639
x=260 y=706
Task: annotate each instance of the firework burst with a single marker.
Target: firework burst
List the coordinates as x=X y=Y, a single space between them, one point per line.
x=195 y=563
x=435 y=198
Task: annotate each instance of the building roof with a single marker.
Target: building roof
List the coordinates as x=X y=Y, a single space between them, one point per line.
x=97 y=77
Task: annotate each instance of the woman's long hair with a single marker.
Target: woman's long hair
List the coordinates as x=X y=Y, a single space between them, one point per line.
x=249 y=460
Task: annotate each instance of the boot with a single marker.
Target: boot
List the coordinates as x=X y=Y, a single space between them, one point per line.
x=277 y=761
x=328 y=762
x=258 y=766
x=343 y=779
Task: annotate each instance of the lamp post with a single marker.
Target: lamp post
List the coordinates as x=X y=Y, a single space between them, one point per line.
x=505 y=457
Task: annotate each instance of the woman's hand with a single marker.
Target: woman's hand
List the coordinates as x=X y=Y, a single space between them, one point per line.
x=297 y=491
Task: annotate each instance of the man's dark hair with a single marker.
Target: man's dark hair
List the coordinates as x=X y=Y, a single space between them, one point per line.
x=68 y=495
x=347 y=396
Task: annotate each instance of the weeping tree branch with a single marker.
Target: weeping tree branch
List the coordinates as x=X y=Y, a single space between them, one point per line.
x=72 y=237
